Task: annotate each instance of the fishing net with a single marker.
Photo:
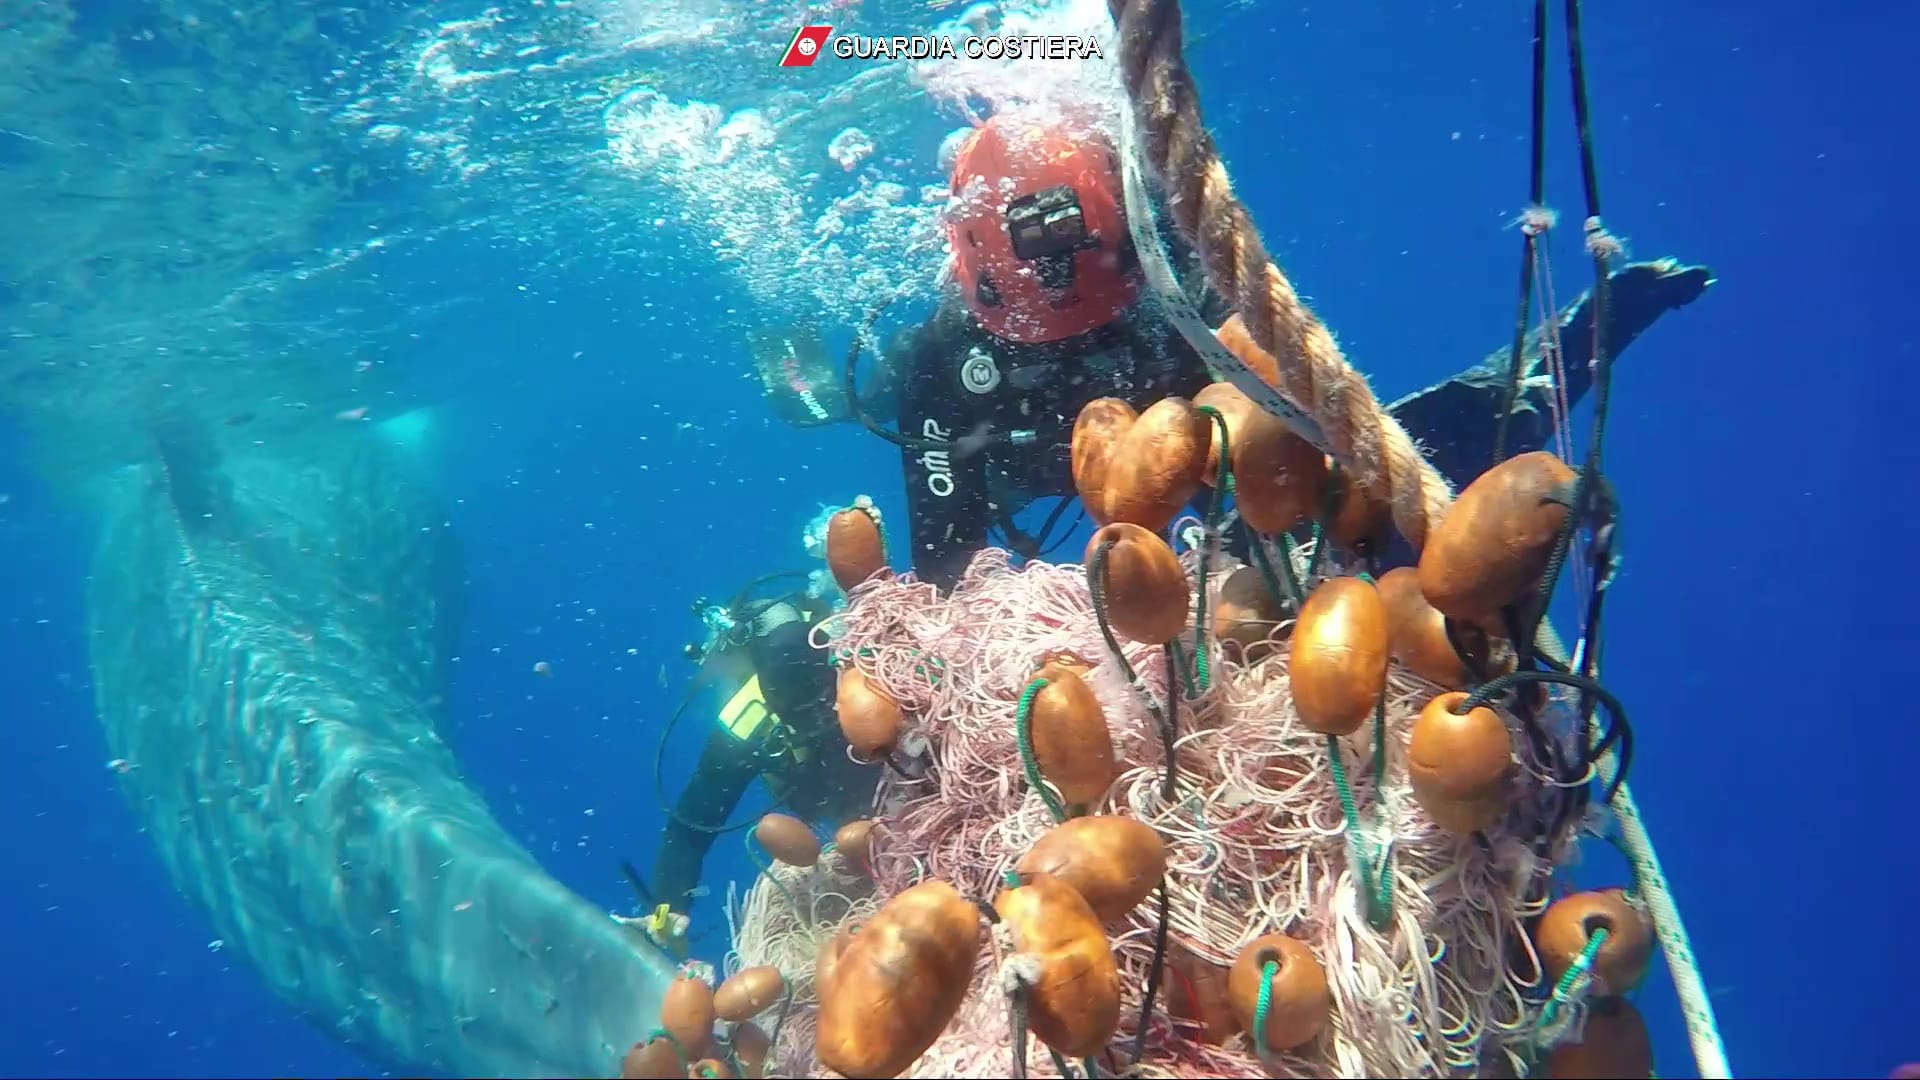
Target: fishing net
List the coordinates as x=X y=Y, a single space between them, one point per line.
x=1272 y=828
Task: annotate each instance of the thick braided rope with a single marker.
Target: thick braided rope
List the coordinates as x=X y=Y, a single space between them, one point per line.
x=1363 y=436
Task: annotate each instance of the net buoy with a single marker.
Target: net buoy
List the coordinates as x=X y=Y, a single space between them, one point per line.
x=1338 y=656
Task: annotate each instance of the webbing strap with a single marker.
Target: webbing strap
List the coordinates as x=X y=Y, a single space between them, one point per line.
x=1181 y=312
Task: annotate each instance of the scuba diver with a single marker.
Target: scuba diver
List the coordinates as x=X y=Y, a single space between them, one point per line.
x=766 y=697
x=1048 y=309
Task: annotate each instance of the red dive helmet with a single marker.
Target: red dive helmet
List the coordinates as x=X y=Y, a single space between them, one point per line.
x=1039 y=238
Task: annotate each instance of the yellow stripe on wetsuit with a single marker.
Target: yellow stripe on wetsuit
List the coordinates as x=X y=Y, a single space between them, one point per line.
x=746 y=711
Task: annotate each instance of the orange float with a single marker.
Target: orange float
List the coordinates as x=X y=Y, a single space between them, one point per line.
x=889 y=990
x=1493 y=544
x=1069 y=738
x=1300 y=1000
x=1074 y=1005
x=1246 y=612
x=1144 y=587
x=751 y=1046
x=1196 y=990
x=1417 y=632
x=1113 y=862
x=1567 y=926
x=1613 y=1046
x=748 y=993
x=1460 y=766
x=869 y=718
x=1234 y=337
x=686 y=1012
x=1139 y=468
x=1338 y=656
x=788 y=839
x=855 y=550
x=854 y=842
x=1360 y=518
x=1277 y=475
x=655 y=1059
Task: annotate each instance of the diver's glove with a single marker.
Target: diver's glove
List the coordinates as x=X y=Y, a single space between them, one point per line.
x=666 y=928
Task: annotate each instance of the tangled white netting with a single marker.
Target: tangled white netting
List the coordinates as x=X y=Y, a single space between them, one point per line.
x=1257 y=840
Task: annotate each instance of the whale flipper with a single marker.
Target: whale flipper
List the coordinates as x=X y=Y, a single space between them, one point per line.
x=274 y=687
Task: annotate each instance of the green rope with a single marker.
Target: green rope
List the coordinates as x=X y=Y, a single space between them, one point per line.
x=1289 y=597
x=1010 y=879
x=1329 y=504
x=1287 y=555
x=1563 y=991
x=1380 y=746
x=1023 y=729
x=1222 y=476
x=1372 y=860
x=679 y=1052
x=841 y=656
x=1262 y=1004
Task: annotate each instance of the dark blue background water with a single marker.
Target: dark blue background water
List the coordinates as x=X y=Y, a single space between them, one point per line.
x=1763 y=617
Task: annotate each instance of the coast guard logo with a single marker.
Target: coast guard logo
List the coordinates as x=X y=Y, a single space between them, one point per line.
x=807 y=44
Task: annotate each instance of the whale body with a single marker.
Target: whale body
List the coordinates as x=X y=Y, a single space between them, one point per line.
x=271 y=635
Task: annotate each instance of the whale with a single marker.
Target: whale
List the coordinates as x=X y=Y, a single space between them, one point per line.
x=272 y=630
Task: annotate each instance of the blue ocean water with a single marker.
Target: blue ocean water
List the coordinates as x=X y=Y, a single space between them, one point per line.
x=607 y=456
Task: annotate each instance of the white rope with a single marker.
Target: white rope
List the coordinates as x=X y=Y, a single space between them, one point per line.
x=1650 y=882
x=1650 y=888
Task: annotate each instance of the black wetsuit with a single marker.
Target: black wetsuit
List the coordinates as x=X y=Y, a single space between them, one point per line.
x=963 y=386
x=803 y=759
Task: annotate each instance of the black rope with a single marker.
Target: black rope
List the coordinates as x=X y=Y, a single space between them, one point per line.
x=1033 y=547
x=1600 y=568
x=1618 y=730
x=1591 y=501
x=1600 y=247
x=1017 y=1005
x=1097 y=589
x=1079 y=516
x=1537 y=194
x=1470 y=658
x=786 y=1006
x=1577 y=65
x=1153 y=978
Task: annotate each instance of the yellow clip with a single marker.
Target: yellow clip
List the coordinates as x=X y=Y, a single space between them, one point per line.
x=657 y=922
